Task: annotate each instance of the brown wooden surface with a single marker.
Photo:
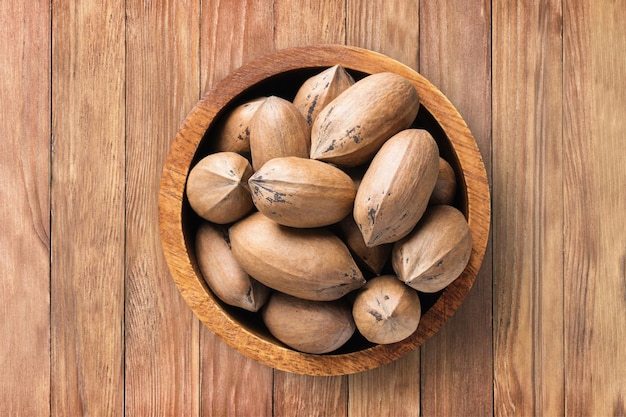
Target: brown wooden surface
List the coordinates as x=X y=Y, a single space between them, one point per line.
x=528 y=200
x=87 y=196
x=161 y=335
x=594 y=233
x=93 y=93
x=25 y=209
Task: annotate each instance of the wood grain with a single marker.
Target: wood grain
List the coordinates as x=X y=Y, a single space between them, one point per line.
x=301 y=395
x=162 y=341
x=232 y=384
x=391 y=28
x=25 y=208
x=528 y=209
x=595 y=231
x=232 y=33
x=308 y=22
x=455 y=53
x=390 y=390
x=87 y=204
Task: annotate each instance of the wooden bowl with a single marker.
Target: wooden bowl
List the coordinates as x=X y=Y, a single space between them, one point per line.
x=281 y=73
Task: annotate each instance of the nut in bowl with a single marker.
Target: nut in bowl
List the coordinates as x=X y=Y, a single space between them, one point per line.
x=271 y=264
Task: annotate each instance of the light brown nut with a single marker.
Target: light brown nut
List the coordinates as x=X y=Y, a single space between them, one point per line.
x=373 y=258
x=350 y=129
x=313 y=264
x=445 y=187
x=278 y=129
x=223 y=274
x=386 y=310
x=217 y=187
x=309 y=326
x=436 y=252
x=301 y=192
x=396 y=187
x=232 y=134
x=319 y=90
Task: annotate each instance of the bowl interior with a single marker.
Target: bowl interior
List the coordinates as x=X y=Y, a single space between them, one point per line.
x=245 y=331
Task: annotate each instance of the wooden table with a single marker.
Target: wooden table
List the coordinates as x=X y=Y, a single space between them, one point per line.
x=93 y=93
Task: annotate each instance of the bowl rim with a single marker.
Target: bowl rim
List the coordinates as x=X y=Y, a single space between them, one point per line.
x=182 y=152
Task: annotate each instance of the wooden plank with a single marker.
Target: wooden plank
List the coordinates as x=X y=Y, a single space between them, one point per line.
x=87 y=199
x=25 y=208
x=455 y=55
x=391 y=28
x=232 y=33
x=299 y=395
x=232 y=384
x=308 y=22
x=162 y=357
x=305 y=22
x=390 y=390
x=528 y=209
x=595 y=230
